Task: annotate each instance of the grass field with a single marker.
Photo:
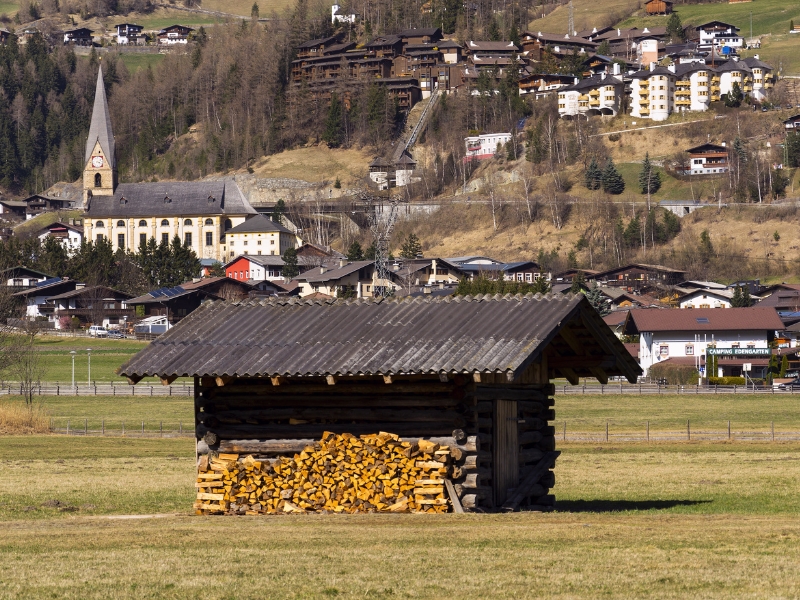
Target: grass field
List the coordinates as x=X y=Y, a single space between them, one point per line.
x=136 y=62
x=244 y=7
x=107 y=356
x=9 y=8
x=668 y=521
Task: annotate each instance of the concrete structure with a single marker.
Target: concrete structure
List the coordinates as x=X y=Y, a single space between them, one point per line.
x=483 y=147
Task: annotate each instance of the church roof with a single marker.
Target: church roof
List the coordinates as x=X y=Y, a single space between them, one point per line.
x=100 y=127
x=171 y=198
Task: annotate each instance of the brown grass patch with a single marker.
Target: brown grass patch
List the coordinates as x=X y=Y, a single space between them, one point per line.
x=17 y=418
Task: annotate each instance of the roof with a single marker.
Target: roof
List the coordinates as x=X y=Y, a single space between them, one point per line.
x=727 y=294
x=265 y=260
x=318 y=42
x=643 y=266
x=592 y=82
x=14 y=203
x=169 y=198
x=23 y=269
x=315 y=276
x=460 y=260
x=258 y=224
x=100 y=126
x=298 y=338
x=492 y=46
x=708 y=148
x=47 y=287
x=702 y=319
x=106 y=291
x=513 y=266
x=722 y=23
x=422 y=31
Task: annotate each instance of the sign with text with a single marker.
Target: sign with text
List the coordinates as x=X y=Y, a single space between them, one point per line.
x=738 y=351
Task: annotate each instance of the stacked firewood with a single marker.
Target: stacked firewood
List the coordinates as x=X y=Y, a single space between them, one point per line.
x=340 y=474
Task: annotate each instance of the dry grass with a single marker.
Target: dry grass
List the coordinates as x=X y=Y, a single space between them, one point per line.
x=587 y=14
x=316 y=164
x=18 y=418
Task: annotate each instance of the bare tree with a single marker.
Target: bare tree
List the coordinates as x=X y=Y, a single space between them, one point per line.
x=26 y=365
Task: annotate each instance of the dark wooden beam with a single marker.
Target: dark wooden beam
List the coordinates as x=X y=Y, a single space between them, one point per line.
x=572 y=340
x=223 y=380
x=582 y=362
x=571 y=376
x=168 y=380
x=133 y=380
x=599 y=374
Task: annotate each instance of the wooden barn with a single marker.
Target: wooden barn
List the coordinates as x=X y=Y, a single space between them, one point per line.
x=658 y=7
x=273 y=375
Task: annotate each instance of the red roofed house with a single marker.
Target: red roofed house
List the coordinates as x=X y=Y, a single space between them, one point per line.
x=737 y=336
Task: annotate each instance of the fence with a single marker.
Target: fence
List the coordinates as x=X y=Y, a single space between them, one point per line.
x=653 y=388
x=648 y=432
x=120 y=428
x=101 y=389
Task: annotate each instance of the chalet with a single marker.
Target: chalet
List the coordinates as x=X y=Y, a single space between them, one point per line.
x=569 y=275
x=78 y=37
x=252 y=360
x=174 y=34
x=784 y=298
x=523 y=271
x=792 y=123
x=426 y=271
x=259 y=235
x=707 y=159
x=19 y=278
x=597 y=95
x=129 y=33
x=543 y=85
x=658 y=7
x=39 y=203
x=13 y=208
x=70 y=236
x=37 y=299
x=706 y=299
x=486 y=146
x=4 y=35
x=534 y=45
x=338 y=13
x=358 y=278
x=385 y=46
x=640 y=277
x=717 y=34
x=479 y=50
x=251 y=268
x=92 y=305
x=625 y=43
x=422 y=35
x=685 y=337
x=177 y=302
x=314 y=48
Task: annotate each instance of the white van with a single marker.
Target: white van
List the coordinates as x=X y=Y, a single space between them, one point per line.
x=98 y=331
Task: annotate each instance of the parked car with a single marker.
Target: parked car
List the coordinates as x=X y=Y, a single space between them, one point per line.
x=116 y=334
x=793 y=385
x=98 y=331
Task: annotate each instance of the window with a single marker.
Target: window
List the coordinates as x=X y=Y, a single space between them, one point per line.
x=209 y=222
x=187 y=222
x=165 y=238
x=228 y=224
x=164 y=223
x=187 y=238
x=120 y=240
x=689 y=350
x=663 y=350
x=232 y=242
x=99 y=225
x=528 y=277
x=142 y=239
x=520 y=276
x=99 y=237
x=259 y=252
x=98 y=180
x=272 y=242
x=259 y=242
x=142 y=223
x=120 y=223
x=245 y=242
x=209 y=238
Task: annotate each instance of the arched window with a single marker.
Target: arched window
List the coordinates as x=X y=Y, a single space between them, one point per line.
x=142 y=223
x=187 y=222
x=100 y=224
x=120 y=223
x=164 y=223
x=228 y=224
x=209 y=222
x=98 y=180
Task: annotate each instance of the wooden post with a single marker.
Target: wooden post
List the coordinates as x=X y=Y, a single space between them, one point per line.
x=606 y=430
x=729 y=429
x=688 y=431
x=104 y=426
x=565 y=431
x=161 y=429
x=180 y=428
x=648 y=431
x=772 y=424
x=123 y=428
x=142 y=427
x=67 y=426
x=85 y=426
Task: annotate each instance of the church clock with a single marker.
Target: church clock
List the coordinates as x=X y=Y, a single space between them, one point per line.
x=97 y=162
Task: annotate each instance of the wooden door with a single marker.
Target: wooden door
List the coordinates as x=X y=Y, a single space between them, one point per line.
x=505 y=450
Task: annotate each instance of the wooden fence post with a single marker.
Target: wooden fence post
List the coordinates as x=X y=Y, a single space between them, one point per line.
x=606 y=430
x=648 y=431
x=729 y=429
x=688 y=431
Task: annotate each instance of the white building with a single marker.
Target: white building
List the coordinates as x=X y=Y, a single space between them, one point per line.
x=482 y=147
x=737 y=336
x=339 y=14
x=68 y=235
x=717 y=34
x=129 y=33
x=652 y=93
x=706 y=299
x=596 y=95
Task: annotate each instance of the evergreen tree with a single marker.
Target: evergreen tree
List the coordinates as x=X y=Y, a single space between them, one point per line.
x=355 y=252
x=633 y=234
x=290 y=267
x=333 y=133
x=513 y=35
x=493 y=30
x=675 y=29
x=604 y=49
x=371 y=252
x=784 y=366
x=612 y=181
x=411 y=247
x=598 y=300
x=741 y=297
x=217 y=269
x=649 y=178
x=733 y=99
x=577 y=283
x=278 y=211
x=254 y=12
x=706 y=247
x=593 y=178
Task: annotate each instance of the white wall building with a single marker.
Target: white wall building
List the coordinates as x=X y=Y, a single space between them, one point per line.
x=706 y=299
x=482 y=147
x=339 y=14
x=597 y=95
x=652 y=93
x=718 y=34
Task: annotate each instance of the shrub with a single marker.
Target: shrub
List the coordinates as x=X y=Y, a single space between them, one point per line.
x=675 y=374
x=16 y=418
x=726 y=380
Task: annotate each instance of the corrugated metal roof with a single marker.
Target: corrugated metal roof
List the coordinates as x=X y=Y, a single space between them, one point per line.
x=298 y=338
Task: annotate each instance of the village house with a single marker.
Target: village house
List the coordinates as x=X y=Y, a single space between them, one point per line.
x=38 y=203
x=199 y=213
x=717 y=34
x=706 y=299
x=259 y=235
x=70 y=236
x=37 y=299
x=252 y=360
x=129 y=33
x=736 y=336
x=92 y=305
x=522 y=271
x=13 y=208
x=536 y=44
x=658 y=7
x=19 y=278
x=473 y=260
x=358 y=279
x=426 y=271
x=597 y=95
x=640 y=277
x=338 y=13
x=174 y=34
x=255 y=268
x=486 y=146
x=792 y=123
x=707 y=159
x=652 y=93
x=78 y=37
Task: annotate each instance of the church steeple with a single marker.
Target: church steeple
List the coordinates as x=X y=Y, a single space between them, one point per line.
x=100 y=167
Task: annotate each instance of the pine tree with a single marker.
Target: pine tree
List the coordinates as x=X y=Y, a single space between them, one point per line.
x=278 y=211
x=355 y=252
x=593 y=178
x=784 y=366
x=371 y=251
x=733 y=99
x=675 y=28
x=493 y=31
x=411 y=247
x=290 y=267
x=333 y=125
x=604 y=49
x=706 y=247
x=612 y=181
x=741 y=297
x=649 y=178
x=598 y=300
x=578 y=282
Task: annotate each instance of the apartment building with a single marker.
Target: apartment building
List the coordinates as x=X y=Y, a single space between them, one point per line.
x=597 y=95
x=653 y=93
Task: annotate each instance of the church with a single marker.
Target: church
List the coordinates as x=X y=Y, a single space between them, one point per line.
x=128 y=214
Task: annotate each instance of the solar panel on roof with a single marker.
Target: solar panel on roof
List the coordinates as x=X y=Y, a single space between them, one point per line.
x=702 y=320
x=48 y=281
